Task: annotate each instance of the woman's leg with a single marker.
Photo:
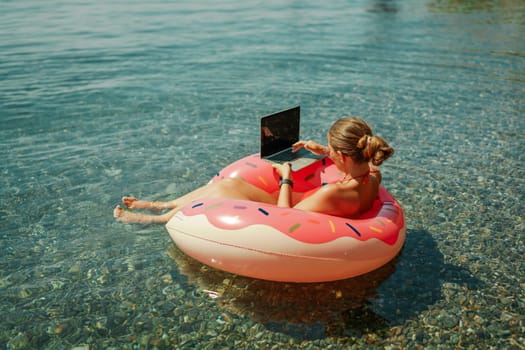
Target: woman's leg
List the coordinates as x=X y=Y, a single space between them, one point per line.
x=129 y=217
x=226 y=188
x=134 y=203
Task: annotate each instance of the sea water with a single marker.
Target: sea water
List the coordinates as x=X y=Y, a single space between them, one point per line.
x=104 y=99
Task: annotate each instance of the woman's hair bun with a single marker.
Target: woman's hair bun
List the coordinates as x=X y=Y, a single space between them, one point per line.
x=375 y=149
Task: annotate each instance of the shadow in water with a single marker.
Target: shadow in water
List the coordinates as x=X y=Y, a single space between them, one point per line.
x=384 y=6
x=370 y=303
x=418 y=280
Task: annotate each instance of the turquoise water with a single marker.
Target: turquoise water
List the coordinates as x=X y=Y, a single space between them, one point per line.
x=100 y=100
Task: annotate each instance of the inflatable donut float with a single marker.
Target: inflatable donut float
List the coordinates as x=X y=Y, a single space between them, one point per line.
x=284 y=244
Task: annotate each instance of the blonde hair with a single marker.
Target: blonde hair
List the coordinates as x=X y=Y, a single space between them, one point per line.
x=353 y=137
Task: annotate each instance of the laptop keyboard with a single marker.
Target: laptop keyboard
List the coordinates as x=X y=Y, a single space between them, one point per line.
x=284 y=156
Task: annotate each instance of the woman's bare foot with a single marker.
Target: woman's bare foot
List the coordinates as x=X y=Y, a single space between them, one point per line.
x=129 y=217
x=129 y=202
x=121 y=215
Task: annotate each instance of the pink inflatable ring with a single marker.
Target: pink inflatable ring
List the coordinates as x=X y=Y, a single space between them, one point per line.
x=285 y=244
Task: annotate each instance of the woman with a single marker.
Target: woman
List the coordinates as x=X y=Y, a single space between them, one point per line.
x=351 y=145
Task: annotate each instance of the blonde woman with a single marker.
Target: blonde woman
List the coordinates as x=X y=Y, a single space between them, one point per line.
x=352 y=147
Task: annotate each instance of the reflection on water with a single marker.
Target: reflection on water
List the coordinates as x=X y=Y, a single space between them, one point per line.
x=317 y=310
x=351 y=307
x=384 y=6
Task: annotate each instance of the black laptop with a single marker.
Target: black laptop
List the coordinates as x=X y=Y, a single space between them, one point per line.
x=279 y=131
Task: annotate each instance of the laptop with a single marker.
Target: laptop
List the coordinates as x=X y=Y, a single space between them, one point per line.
x=279 y=131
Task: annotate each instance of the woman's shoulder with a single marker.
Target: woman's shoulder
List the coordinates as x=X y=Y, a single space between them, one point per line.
x=338 y=191
x=339 y=199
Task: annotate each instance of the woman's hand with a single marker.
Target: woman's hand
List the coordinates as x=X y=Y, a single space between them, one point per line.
x=284 y=170
x=311 y=146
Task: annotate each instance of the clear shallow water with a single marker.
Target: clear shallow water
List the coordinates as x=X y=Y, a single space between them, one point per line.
x=103 y=100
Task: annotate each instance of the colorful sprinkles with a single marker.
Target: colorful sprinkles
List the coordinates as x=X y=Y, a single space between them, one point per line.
x=353 y=228
x=294 y=227
x=301 y=226
x=264 y=211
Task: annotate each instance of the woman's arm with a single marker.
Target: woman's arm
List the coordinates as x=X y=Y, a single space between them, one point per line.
x=311 y=146
x=285 y=194
x=285 y=185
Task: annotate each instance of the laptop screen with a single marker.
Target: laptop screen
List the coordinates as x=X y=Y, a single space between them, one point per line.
x=279 y=131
